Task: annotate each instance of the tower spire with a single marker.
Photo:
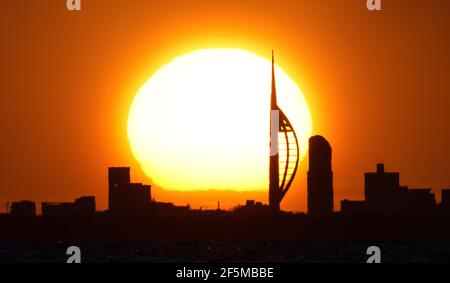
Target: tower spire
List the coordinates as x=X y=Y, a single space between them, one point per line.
x=273 y=97
x=285 y=161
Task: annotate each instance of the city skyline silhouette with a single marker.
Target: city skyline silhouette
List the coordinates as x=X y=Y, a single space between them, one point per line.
x=383 y=192
x=377 y=90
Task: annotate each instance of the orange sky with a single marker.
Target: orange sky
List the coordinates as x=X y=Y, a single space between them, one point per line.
x=376 y=83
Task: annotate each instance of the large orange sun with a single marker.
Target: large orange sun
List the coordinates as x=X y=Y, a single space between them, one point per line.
x=202 y=121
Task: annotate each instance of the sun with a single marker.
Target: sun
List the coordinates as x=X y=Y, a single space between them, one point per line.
x=202 y=121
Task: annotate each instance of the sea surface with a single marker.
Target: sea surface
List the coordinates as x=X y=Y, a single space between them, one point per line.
x=231 y=252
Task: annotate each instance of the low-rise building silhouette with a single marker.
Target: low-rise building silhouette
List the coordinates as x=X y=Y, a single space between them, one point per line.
x=384 y=195
x=253 y=208
x=23 y=209
x=169 y=210
x=320 y=177
x=82 y=207
x=354 y=206
x=126 y=198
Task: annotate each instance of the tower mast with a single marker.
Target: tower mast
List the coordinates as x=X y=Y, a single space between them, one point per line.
x=274 y=175
x=284 y=150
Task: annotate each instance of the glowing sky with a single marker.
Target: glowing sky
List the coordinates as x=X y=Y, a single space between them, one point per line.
x=376 y=84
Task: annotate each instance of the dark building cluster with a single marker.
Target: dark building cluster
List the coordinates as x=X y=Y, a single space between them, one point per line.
x=253 y=207
x=127 y=199
x=82 y=207
x=384 y=195
x=382 y=190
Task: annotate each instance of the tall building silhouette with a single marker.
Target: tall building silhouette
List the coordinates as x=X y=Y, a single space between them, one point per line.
x=380 y=186
x=320 y=177
x=126 y=198
x=284 y=153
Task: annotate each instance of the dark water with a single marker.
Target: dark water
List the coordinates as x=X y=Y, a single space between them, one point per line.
x=233 y=251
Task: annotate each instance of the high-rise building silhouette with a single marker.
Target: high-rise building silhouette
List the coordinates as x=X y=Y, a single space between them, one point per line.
x=118 y=177
x=380 y=186
x=284 y=152
x=320 y=177
x=126 y=198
